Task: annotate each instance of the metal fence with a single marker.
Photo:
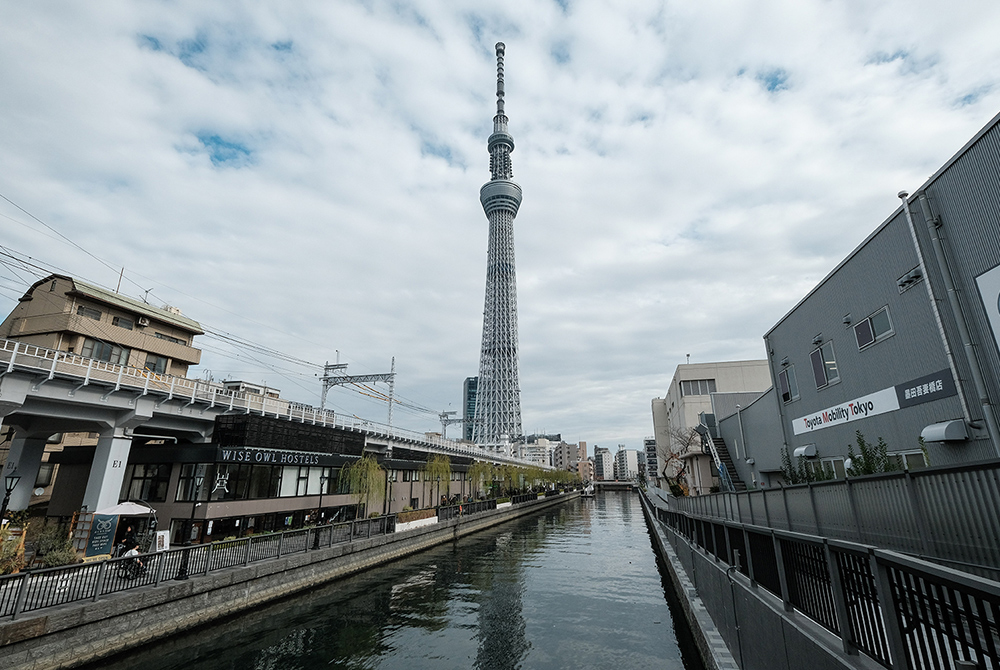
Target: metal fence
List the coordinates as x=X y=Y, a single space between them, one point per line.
x=452 y=511
x=37 y=589
x=903 y=612
x=948 y=514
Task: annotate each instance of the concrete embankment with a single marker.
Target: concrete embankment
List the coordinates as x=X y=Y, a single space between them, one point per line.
x=714 y=652
x=732 y=617
x=84 y=632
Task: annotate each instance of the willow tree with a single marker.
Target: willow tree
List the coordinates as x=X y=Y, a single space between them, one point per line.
x=479 y=472
x=438 y=468
x=365 y=480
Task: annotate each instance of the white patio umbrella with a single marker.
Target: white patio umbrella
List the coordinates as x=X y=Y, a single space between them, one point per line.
x=127 y=509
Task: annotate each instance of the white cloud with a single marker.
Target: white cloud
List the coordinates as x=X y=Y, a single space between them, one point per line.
x=307 y=177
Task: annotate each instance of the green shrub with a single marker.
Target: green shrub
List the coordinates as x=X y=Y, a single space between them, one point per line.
x=55 y=547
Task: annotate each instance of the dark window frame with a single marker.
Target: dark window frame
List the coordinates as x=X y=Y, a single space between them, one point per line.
x=89 y=312
x=823 y=365
x=123 y=322
x=866 y=329
x=788 y=384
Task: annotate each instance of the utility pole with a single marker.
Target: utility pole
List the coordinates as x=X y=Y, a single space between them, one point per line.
x=335 y=374
x=447 y=420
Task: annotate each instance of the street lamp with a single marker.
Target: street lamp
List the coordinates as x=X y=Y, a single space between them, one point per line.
x=9 y=482
x=319 y=513
x=182 y=572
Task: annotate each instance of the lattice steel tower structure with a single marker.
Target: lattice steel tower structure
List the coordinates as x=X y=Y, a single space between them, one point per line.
x=498 y=397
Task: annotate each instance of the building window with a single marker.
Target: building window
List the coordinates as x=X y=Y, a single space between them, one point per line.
x=827 y=468
x=824 y=365
x=302 y=481
x=908 y=460
x=186 y=484
x=876 y=327
x=697 y=387
x=44 y=476
x=265 y=481
x=146 y=482
x=789 y=385
x=170 y=338
x=104 y=351
x=89 y=312
x=157 y=364
x=123 y=322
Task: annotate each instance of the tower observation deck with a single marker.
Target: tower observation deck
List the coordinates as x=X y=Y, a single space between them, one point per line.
x=498 y=402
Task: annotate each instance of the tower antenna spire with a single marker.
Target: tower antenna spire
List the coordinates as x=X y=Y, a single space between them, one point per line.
x=500 y=52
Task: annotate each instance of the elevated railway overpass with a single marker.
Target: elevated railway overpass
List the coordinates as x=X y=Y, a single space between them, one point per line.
x=44 y=391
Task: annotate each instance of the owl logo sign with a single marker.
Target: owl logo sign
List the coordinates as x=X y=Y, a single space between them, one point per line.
x=989 y=290
x=102 y=534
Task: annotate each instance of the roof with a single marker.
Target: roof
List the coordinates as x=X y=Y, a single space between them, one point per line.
x=126 y=303
x=944 y=168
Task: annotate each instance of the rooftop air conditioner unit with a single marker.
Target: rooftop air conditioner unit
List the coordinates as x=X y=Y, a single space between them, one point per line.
x=143 y=321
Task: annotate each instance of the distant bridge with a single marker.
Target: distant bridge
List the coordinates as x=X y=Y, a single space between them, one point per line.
x=608 y=485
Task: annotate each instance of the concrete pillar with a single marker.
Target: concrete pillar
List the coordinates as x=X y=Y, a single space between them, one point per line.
x=108 y=469
x=25 y=458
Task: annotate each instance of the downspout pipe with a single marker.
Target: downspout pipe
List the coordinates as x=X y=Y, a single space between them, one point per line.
x=903 y=195
x=938 y=245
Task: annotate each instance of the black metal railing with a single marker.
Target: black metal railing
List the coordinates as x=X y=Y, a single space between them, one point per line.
x=901 y=611
x=37 y=589
x=464 y=509
x=945 y=513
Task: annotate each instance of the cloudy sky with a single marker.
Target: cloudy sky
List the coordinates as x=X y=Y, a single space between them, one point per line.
x=305 y=176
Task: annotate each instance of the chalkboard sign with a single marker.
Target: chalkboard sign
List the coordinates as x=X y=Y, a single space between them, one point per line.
x=102 y=534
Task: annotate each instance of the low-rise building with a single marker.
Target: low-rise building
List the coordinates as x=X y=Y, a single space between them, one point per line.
x=900 y=343
x=677 y=416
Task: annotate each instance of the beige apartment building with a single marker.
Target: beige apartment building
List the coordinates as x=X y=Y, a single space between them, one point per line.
x=676 y=415
x=66 y=314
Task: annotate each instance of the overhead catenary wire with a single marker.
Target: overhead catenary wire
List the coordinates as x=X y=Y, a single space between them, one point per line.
x=38 y=269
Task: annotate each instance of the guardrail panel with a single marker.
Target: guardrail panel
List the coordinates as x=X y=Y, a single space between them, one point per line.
x=885 y=513
x=963 y=522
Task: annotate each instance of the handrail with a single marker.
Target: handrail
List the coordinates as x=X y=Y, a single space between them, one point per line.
x=88 y=371
x=37 y=589
x=897 y=609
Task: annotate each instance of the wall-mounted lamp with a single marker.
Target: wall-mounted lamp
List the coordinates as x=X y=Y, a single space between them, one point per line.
x=784 y=361
x=847 y=319
x=818 y=339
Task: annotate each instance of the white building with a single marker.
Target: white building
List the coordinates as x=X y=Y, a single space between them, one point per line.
x=603 y=464
x=626 y=463
x=676 y=415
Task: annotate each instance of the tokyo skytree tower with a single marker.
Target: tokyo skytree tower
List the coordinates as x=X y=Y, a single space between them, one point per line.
x=498 y=397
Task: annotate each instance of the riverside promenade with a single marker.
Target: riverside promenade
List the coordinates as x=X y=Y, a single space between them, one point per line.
x=85 y=631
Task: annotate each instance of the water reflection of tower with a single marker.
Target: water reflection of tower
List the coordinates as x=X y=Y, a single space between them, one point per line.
x=498 y=396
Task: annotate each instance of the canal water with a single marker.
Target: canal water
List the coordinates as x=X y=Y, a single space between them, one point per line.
x=574 y=586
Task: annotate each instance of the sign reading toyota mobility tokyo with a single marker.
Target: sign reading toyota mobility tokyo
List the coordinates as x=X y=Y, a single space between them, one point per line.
x=925 y=389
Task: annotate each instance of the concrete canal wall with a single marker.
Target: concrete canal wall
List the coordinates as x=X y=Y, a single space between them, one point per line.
x=72 y=635
x=735 y=623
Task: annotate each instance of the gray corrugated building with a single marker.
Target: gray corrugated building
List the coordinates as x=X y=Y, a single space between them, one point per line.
x=899 y=341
